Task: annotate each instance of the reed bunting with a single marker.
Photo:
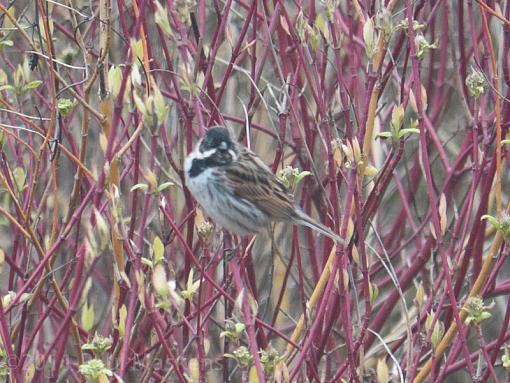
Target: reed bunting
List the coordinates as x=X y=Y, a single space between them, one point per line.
x=237 y=190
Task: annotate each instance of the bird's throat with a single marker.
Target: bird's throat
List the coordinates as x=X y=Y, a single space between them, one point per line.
x=198 y=165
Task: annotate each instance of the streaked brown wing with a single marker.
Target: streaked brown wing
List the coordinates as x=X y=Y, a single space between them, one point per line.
x=252 y=180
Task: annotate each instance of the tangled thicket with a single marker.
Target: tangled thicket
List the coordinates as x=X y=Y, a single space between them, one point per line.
x=386 y=118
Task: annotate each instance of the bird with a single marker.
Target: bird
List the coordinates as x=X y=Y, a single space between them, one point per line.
x=238 y=190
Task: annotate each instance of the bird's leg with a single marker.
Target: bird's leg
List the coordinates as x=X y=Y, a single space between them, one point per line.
x=229 y=250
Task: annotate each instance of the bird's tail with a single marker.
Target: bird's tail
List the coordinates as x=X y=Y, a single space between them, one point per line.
x=305 y=220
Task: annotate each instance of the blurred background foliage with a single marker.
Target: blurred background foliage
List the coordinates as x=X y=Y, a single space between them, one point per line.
x=108 y=271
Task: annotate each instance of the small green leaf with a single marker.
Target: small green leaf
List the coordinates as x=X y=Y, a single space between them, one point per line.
x=492 y=220
x=205 y=230
x=32 y=84
x=161 y=19
x=114 y=81
x=408 y=131
x=7 y=87
x=87 y=317
x=64 y=106
x=159 y=250
x=163 y=304
x=383 y=135
x=139 y=186
x=242 y=355
x=99 y=345
x=159 y=280
x=301 y=175
x=505 y=359
x=370 y=171
x=160 y=106
x=136 y=50
x=437 y=333
x=373 y=292
x=420 y=295
x=25 y=68
x=95 y=370
x=122 y=321
x=270 y=359
x=147 y=262
x=239 y=327
x=422 y=46
x=476 y=83
x=397 y=117
x=7 y=298
x=505 y=142
x=403 y=26
x=369 y=37
x=139 y=104
x=25 y=297
x=136 y=77
x=477 y=311
x=291 y=177
x=191 y=287
x=233 y=330
x=164 y=186
x=6 y=43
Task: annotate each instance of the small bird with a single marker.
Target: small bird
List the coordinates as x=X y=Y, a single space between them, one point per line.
x=237 y=190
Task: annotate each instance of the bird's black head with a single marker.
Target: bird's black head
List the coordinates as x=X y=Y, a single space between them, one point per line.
x=216 y=138
x=215 y=150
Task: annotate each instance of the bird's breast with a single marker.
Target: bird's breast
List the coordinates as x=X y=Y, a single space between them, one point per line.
x=198 y=180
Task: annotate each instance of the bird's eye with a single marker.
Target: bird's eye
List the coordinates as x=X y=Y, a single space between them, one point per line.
x=223 y=145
